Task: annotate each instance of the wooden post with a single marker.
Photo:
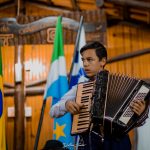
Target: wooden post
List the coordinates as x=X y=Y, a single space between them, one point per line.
x=19 y=133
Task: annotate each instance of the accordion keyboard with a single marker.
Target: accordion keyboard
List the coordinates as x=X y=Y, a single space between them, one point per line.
x=81 y=121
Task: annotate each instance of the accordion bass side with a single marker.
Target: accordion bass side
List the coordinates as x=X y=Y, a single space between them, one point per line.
x=110 y=103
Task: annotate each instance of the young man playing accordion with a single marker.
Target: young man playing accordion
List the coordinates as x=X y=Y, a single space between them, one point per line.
x=94 y=57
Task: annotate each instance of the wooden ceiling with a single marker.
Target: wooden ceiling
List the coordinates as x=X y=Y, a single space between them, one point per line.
x=135 y=11
x=124 y=10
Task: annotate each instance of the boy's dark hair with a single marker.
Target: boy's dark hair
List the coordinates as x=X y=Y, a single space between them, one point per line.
x=100 y=50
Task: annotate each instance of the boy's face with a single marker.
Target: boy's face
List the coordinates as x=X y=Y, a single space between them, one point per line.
x=91 y=63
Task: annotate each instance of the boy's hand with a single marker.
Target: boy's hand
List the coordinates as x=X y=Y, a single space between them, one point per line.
x=73 y=107
x=138 y=106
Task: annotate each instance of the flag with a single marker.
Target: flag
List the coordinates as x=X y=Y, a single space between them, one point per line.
x=57 y=86
x=2 y=121
x=77 y=70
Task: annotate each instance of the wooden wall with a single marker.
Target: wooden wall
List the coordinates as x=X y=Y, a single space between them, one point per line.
x=39 y=57
x=122 y=38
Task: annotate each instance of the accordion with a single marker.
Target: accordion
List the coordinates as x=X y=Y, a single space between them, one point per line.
x=107 y=103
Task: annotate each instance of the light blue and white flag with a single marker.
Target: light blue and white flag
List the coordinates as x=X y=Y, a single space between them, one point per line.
x=77 y=70
x=57 y=86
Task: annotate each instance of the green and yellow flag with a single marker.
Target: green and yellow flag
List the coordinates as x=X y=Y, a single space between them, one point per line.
x=2 y=119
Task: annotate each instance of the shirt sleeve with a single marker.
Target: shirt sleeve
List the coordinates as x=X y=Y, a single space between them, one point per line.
x=59 y=108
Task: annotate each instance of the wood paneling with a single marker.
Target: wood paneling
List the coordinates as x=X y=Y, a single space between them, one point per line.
x=37 y=60
x=123 y=39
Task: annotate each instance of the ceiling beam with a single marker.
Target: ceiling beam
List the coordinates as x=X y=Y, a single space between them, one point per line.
x=7 y=4
x=49 y=7
x=134 y=3
x=47 y=3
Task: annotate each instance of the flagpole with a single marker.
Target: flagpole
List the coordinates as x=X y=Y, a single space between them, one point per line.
x=76 y=45
x=75 y=49
x=39 y=125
